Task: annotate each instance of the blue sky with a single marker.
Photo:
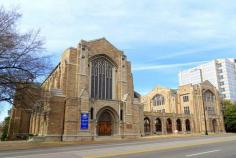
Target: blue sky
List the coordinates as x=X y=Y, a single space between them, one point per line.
x=159 y=37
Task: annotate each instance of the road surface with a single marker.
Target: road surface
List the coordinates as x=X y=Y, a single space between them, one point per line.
x=187 y=147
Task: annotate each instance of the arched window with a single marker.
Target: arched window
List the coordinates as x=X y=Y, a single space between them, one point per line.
x=178 y=125
x=209 y=101
x=169 y=125
x=121 y=114
x=209 y=96
x=101 y=78
x=91 y=113
x=187 y=125
x=158 y=100
x=158 y=125
x=147 y=128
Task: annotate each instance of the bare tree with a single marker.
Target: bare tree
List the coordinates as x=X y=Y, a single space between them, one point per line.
x=21 y=60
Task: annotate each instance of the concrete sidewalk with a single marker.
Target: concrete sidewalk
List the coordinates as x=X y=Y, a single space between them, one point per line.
x=23 y=145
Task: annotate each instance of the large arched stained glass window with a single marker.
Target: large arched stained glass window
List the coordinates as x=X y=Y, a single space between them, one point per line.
x=101 y=78
x=209 y=101
x=209 y=96
x=158 y=100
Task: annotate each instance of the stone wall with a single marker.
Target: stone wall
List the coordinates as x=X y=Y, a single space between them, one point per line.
x=19 y=123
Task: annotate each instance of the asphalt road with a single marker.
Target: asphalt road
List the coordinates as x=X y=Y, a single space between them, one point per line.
x=216 y=150
x=188 y=147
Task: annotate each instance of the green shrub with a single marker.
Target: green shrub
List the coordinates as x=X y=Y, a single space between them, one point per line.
x=230 y=116
x=5 y=129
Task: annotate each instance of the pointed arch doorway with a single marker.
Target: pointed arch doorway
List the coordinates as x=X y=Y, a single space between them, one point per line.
x=169 y=126
x=106 y=122
x=214 y=125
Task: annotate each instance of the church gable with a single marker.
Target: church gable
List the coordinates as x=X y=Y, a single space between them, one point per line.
x=206 y=82
x=208 y=85
x=102 y=46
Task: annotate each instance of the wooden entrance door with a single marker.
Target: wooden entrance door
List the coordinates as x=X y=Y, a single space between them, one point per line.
x=104 y=126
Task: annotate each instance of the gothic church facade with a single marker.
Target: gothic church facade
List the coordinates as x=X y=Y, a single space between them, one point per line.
x=90 y=93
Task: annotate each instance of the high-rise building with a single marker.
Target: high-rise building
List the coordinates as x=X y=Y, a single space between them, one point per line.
x=220 y=72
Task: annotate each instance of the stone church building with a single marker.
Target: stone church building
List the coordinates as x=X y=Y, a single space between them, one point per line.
x=90 y=93
x=182 y=111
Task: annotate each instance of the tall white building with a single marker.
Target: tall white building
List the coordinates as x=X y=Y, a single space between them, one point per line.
x=220 y=72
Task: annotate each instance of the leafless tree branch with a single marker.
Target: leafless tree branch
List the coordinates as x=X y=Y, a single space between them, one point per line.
x=21 y=61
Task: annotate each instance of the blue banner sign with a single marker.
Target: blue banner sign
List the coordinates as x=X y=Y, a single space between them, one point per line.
x=84 y=121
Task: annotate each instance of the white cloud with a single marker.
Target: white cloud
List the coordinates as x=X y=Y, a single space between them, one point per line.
x=64 y=22
x=201 y=50
x=165 y=66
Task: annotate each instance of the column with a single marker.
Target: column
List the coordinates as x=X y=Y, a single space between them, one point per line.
x=183 y=126
x=163 y=120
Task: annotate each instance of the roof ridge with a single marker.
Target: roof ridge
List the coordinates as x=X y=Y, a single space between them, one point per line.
x=102 y=38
